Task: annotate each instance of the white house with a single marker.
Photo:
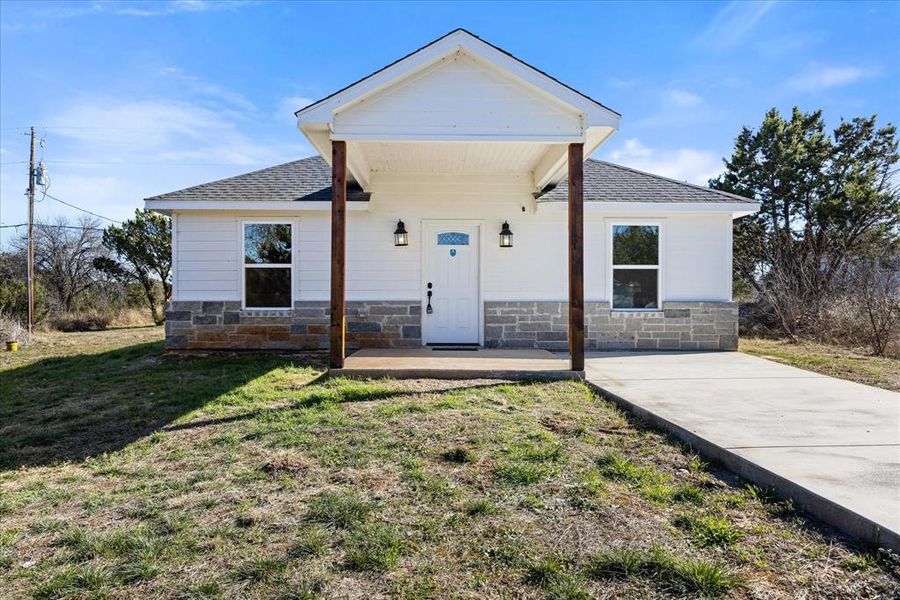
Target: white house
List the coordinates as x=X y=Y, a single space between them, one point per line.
x=452 y=202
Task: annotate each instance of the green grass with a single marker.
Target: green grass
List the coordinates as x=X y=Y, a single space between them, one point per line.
x=375 y=547
x=263 y=569
x=125 y=473
x=710 y=530
x=481 y=507
x=339 y=509
x=310 y=542
x=662 y=569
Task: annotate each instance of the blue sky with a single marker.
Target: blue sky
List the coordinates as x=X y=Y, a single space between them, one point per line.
x=134 y=99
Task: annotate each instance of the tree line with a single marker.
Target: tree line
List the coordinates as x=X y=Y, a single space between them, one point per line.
x=821 y=258
x=85 y=274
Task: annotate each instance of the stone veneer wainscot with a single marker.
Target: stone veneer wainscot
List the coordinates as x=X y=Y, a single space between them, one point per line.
x=679 y=326
x=221 y=325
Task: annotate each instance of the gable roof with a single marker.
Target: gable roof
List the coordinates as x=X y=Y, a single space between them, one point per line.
x=309 y=179
x=458 y=30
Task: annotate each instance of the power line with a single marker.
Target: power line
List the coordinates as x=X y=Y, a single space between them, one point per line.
x=51 y=226
x=82 y=209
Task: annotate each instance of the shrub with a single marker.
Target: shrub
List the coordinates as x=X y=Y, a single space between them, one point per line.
x=80 y=321
x=12 y=330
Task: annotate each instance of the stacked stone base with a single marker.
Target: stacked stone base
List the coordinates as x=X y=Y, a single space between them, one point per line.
x=225 y=326
x=397 y=324
x=679 y=326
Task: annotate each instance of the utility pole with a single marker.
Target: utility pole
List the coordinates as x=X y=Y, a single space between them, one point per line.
x=30 y=268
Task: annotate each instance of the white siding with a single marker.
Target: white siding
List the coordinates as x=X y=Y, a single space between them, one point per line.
x=696 y=254
x=459 y=96
x=207 y=265
x=698 y=257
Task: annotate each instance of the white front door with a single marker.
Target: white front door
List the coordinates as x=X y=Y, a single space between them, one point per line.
x=451 y=274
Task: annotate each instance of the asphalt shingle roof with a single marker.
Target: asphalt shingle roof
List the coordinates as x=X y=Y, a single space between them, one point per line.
x=310 y=179
x=305 y=179
x=606 y=182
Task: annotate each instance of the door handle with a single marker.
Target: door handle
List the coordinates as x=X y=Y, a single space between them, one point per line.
x=428 y=309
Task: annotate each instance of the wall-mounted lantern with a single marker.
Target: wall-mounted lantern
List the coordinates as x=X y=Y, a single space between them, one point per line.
x=505 y=236
x=401 y=238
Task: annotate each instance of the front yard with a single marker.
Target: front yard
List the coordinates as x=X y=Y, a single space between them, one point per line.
x=127 y=474
x=834 y=361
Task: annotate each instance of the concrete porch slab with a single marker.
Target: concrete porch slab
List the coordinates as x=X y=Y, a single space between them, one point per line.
x=414 y=363
x=833 y=446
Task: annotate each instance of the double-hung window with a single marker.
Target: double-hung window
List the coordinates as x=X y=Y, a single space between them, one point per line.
x=635 y=267
x=268 y=265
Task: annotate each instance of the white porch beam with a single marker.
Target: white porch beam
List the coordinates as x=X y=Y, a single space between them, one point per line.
x=553 y=161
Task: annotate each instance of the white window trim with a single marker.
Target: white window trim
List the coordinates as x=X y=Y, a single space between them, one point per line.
x=658 y=267
x=292 y=266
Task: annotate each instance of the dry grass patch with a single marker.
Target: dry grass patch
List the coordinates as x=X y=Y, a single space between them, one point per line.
x=250 y=477
x=835 y=361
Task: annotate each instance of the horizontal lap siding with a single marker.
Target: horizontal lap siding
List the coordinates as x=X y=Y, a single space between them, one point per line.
x=207 y=257
x=459 y=96
x=696 y=262
x=698 y=258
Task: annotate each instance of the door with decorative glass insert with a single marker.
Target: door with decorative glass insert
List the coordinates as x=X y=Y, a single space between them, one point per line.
x=450 y=312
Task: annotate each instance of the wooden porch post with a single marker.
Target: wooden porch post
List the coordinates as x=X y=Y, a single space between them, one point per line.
x=576 y=256
x=338 y=252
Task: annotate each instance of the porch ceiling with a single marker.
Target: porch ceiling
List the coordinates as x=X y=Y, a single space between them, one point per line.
x=450 y=157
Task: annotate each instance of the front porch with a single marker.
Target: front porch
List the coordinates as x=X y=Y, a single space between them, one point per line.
x=464 y=112
x=478 y=363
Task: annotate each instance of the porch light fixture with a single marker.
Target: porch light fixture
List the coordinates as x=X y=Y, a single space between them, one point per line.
x=505 y=236
x=401 y=238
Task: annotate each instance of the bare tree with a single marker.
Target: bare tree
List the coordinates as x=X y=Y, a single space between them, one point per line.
x=64 y=258
x=877 y=299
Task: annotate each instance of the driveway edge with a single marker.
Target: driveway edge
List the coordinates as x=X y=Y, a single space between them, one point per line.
x=845 y=520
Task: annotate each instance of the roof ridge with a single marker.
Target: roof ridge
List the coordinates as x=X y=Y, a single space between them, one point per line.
x=480 y=39
x=671 y=180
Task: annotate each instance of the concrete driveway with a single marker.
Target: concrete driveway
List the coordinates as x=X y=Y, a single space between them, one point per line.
x=831 y=445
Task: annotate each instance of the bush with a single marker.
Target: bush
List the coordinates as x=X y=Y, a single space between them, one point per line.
x=80 y=321
x=12 y=330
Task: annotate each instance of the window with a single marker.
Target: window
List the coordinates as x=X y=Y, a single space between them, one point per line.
x=453 y=238
x=635 y=267
x=267 y=265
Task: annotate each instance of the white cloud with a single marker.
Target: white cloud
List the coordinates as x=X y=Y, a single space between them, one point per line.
x=115 y=130
x=682 y=98
x=200 y=87
x=292 y=104
x=819 y=77
x=140 y=9
x=289 y=105
x=683 y=164
x=106 y=153
x=732 y=24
